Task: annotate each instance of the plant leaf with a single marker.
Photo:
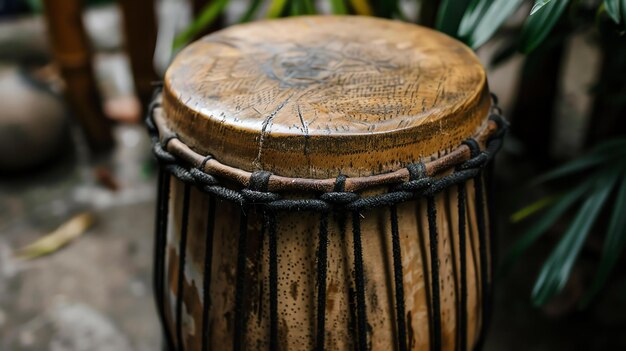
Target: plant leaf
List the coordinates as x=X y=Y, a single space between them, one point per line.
x=276 y=8
x=544 y=223
x=604 y=153
x=251 y=11
x=612 y=9
x=386 y=8
x=301 y=7
x=308 y=7
x=577 y=165
x=613 y=243
x=540 y=24
x=539 y=4
x=450 y=14
x=60 y=237
x=558 y=266
x=483 y=18
x=338 y=7
x=533 y=208
x=207 y=16
x=362 y=7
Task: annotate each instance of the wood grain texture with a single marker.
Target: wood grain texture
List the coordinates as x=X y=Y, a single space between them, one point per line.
x=318 y=96
x=297 y=247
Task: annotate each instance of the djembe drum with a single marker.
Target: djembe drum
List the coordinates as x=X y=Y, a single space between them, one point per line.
x=323 y=186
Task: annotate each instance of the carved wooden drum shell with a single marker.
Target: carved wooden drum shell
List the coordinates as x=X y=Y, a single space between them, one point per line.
x=341 y=251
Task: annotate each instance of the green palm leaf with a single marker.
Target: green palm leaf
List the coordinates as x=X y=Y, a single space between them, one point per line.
x=276 y=8
x=613 y=244
x=450 y=14
x=533 y=208
x=207 y=16
x=556 y=270
x=544 y=223
x=612 y=8
x=253 y=8
x=338 y=7
x=539 y=4
x=483 y=18
x=540 y=23
x=602 y=154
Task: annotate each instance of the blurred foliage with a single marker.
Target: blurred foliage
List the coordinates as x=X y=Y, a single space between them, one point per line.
x=600 y=184
x=472 y=21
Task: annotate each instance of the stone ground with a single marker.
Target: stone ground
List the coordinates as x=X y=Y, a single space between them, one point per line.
x=95 y=294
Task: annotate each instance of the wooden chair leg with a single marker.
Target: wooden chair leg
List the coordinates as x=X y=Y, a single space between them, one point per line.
x=141 y=31
x=72 y=53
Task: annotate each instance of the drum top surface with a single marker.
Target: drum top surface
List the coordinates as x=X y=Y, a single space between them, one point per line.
x=317 y=96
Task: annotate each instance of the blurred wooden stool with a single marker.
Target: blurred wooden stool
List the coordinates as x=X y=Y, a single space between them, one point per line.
x=73 y=55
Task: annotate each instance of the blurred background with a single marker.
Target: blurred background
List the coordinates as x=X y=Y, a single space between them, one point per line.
x=78 y=182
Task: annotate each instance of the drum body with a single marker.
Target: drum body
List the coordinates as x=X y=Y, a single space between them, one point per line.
x=324 y=189
x=298 y=248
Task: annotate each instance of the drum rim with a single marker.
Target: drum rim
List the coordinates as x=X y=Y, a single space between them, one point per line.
x=433 y=96
x=169 y=148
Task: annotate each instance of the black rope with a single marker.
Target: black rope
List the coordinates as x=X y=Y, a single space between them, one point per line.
x=462 y=315
x=240 y=280
x=491 y=204
x=273 y=252
x=337 y=200
x=326 y=202
x=479 y=205
x=160 y=244
x=341 y=219
x=435 y=345
x=322 y=253
x=208 y=260
x=425 y=267
x=484 y=264
x=257 y=194
x=359 y=281
x=182 y=254
x=398 y=278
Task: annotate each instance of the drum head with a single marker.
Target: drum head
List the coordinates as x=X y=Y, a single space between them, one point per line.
x=319 y=96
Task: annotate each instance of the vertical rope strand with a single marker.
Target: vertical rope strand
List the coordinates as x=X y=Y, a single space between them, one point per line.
x=434 y=266
x=359 y=281
x=208 y=260
x=322 y=256
x=424 y=260
x=493 y=240
x=160 y=243
x=273 y=252
x=484 y=267
x=462 y=315
x=240 y=280
x=182 y=253
x=398 y=277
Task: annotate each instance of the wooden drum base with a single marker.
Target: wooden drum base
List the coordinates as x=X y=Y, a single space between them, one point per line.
x=297 y=242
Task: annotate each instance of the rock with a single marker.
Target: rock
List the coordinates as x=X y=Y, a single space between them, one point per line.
x=33 y=122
